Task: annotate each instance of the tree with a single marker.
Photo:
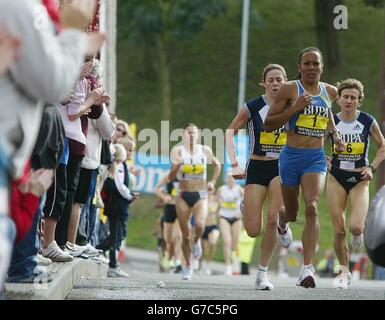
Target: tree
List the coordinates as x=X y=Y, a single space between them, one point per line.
x=158 y=22
x=381 y=169
x=326 y=33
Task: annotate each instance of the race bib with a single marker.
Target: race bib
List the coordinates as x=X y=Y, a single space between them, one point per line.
x=193 y=168
x=353 y=148
x=272 y=138
x=311 y=125
x=353 y=151
x=229 y=205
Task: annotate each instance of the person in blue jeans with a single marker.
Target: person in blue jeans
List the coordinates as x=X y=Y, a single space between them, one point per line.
x=24 y=263
x=7 y=227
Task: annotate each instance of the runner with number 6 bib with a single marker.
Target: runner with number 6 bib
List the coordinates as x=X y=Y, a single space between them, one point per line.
x=351 y=172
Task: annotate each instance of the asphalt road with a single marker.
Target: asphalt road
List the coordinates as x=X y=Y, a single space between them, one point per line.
x=144 y=284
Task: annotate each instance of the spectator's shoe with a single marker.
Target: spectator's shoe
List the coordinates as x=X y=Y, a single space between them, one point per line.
x=187 y=272
x=40 y=275
x=116 y=273
x=197 y=250
x=343 y=280
x=74 y=250
x=285 y=236
x=90 y=250
x=262 y=282
x=42 y=261
x=56 y=254
x=357 y=242
x=306 y=278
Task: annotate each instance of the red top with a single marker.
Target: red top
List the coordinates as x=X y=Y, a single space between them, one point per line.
x=53 y=12
x=22 y=205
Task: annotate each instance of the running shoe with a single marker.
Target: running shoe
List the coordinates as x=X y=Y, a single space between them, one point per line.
x=285 y=236
x=306 y=278
x=262 y=281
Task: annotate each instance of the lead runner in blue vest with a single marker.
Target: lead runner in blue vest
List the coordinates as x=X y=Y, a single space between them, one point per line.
x=262 y=181
x=305 y=106
x=351 y=172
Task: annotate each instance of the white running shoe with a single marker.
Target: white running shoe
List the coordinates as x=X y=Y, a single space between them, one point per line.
x=42 y=261
x=285 y=236
x=306 y=278
x=54 y=253
x=187 y=272
x=357 y=242
x=343 y=280
x=262 y=281
x=197 y=250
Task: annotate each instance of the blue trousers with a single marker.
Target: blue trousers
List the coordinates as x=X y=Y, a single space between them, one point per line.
x=24 y=260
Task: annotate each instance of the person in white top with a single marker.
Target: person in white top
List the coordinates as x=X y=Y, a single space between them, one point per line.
x=189 y=166
x=230 y=196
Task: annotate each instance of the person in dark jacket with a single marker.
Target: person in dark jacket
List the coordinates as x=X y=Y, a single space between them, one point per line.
x=117 y=196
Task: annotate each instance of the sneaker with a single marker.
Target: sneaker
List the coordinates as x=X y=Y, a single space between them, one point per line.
x=116 y=273
x=90 y=250
x=42 y=261
x=229 y=271
x=56 y=254
x=187 y=272
x=74 y=250
x=357 y=242
x=197 y=250
x=306 y=278
x=262 y=282
x=285 y=236
x=343 y=280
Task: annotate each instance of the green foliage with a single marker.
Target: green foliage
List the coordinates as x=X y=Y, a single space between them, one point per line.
x=173 y=19
x=375 y=3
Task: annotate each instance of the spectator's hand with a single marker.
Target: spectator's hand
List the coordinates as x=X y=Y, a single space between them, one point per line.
x=96 y=95
x=40 y=181
x=77 y=14
x=95 y=42
x=8 y=50
x=105 y=98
